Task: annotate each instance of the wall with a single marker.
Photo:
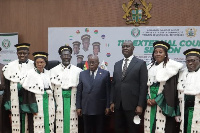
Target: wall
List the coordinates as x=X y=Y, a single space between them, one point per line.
x=31 y=18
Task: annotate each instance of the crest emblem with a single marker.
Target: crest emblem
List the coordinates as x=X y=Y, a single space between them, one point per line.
x=136 y=15
x=135 y=32
x=191 y=32
x=6 y=43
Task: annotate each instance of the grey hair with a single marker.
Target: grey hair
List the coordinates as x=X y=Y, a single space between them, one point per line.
x=93 y=56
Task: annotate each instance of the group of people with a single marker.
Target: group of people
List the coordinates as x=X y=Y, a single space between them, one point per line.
x=34 y=99
x=85 y=50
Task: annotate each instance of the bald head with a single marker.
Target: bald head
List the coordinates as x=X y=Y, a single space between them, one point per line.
x=93 y=57
x=93 y=62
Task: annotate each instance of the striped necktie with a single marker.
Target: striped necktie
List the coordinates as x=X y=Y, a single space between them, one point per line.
x=124 y=69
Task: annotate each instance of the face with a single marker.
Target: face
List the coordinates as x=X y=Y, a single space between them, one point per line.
x=93 y=63
x=65 y=57
x=96 y=49
x=23 y=55
x=76 y=49
x=192 y=63
x=159 y=55
x=90 y=55
x=40 y=64
x=127 y=49
x=86 y=44
x=79 y=60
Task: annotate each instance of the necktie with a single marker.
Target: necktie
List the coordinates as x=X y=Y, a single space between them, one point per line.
x=124 y=69
x=92 y=77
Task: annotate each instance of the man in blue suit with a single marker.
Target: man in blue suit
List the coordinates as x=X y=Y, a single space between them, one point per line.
x=92 y=99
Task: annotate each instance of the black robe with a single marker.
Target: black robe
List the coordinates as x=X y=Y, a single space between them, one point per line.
x=5 y=125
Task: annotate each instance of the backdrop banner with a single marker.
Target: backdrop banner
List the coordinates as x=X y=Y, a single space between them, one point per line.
x=8 y=52
x=106 y=42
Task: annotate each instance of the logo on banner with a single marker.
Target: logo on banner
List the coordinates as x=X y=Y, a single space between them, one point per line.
x=6 y=43
x=134 y=14
x=191 y=32
x=135 y=32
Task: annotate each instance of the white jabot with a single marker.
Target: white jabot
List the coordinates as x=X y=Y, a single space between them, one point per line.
x=45 y=81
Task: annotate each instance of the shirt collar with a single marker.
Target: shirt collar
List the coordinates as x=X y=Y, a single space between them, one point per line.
x=67 y=67
x=129 y=58
x=24 y=62
x=94 y=71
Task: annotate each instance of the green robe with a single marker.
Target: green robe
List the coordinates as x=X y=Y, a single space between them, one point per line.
x=43 y=109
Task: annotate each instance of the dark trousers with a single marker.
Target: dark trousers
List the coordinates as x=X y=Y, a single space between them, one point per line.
x=30 y=123
x=93 y=123
x=124 y=121
x=170 y=126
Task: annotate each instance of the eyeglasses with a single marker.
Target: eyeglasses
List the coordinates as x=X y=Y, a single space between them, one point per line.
x=192 y=60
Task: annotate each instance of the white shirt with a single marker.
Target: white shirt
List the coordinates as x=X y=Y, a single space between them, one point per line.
x=128 y=62
x=95 y=73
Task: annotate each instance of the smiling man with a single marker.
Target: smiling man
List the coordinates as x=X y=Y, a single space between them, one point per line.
x=64 y=78
x=129 y=89
x=13 y=72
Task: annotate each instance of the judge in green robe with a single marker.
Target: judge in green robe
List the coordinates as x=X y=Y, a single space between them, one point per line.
x=13 y=72
x=189 y=93
x=162 y=91
x=64 y=79
x=37 y=83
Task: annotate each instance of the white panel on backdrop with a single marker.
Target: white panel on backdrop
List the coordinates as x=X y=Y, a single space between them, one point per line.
x=111 y=38
x=7 y=42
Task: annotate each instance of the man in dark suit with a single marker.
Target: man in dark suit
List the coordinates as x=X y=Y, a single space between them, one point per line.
x=129 y=90
x=93 y=96
x=5 y=126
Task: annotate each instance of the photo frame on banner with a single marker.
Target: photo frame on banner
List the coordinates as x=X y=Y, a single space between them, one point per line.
x=106 y=42
x=7 y=42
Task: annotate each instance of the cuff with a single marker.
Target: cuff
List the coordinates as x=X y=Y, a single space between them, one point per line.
x=166 y=110
x=7 y=105
x=29 y=108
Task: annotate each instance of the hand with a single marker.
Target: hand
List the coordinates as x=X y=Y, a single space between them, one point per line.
x=153 y=102
x=112 y=106
x=107 y=110
x=138 y=110
x=178 y=118
x=79 y=112
x=149 y=102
